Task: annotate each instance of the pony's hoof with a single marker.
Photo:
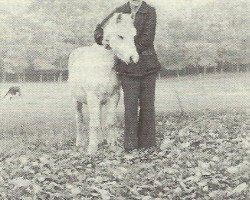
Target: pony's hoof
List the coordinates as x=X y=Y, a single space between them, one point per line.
x=81 y=144
x=116 y=149
x=92 y=150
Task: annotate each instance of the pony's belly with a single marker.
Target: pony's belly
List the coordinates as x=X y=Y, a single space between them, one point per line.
x=78 y=93
x=102 y=88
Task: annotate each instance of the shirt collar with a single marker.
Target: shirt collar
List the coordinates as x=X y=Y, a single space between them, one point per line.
x=144 y=8
x=136 y=8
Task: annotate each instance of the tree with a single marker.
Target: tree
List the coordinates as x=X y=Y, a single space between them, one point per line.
x=174 y=58
x=61 y=62
x=201 y=54
x=233 y=52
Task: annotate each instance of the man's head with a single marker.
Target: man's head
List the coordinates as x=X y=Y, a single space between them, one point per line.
x=135 y=2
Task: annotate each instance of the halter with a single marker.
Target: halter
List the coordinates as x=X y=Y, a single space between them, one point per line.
x=107 y=46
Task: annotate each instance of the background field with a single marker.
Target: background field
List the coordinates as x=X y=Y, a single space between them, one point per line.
x=49 y=109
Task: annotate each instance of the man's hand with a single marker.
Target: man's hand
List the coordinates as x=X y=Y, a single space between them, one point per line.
x=98 y=35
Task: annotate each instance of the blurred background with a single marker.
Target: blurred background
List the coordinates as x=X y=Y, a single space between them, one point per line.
x=193 y=36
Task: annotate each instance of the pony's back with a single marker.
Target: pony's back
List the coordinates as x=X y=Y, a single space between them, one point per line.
x=90 y=63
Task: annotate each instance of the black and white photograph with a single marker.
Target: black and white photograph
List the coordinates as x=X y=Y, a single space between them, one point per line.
x=124 y=100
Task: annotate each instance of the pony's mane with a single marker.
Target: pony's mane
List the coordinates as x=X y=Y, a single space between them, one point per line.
x=118 y=21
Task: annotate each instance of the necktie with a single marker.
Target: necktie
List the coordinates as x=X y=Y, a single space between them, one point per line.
x=134 y=11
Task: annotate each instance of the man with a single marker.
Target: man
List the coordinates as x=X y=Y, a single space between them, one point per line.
x=138 y=80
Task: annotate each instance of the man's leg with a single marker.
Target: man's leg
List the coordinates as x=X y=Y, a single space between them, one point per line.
x=131 y=87
x=147 y=132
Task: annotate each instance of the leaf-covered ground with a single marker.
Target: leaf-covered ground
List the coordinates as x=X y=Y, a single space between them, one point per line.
x=203 y=155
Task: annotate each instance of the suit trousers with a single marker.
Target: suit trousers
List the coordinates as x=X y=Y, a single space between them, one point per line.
x=139 y=96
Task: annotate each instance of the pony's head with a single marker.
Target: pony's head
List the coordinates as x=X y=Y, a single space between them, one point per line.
x=119 y=35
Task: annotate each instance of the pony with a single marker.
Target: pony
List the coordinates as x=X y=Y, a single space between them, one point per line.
x=94 y=82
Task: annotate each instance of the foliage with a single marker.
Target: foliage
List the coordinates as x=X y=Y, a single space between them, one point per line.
x=202 y=155
x=51 y=29
x=61 y=62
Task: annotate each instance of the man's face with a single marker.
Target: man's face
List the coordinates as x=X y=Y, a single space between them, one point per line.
x=135 y=2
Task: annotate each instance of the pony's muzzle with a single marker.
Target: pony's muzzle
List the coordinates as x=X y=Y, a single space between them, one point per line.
x=131 y=59
x=134 y=59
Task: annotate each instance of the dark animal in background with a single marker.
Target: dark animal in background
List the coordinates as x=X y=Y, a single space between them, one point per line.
x=14 y=90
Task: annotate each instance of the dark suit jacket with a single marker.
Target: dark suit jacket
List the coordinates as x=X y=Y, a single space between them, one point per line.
x=145 y=24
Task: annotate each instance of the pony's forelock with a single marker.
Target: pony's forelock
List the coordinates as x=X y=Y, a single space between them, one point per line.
x=119 y=22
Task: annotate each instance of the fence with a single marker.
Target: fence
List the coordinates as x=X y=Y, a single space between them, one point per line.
x=62 y=75
x=35 y=76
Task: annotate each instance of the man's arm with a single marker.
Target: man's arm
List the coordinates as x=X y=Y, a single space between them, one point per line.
x=147 y=36
x=98 y=34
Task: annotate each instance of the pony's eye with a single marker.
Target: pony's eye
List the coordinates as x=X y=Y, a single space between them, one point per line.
x=121 y=37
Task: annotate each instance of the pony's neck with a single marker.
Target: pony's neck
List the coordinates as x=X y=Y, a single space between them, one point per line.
x=108 y=48
x=108 y=52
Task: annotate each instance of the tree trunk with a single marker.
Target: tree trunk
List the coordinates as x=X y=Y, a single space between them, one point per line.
x=41 y=78
x=19 y=78
x=4 y=77
x=24 y=77
x=215 y=69
x=178 y=74
x=60 y=77
x=205 y=71
x=185 y=71
x=222 y=66
x=237 y=67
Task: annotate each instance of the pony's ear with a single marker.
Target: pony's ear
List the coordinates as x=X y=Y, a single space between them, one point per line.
x=119 y=18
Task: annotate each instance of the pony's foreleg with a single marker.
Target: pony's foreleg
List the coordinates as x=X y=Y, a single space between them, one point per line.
x=81 y=137
x=109 y=127
x=94 y=122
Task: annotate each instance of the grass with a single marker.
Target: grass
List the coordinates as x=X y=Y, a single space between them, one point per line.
x=45 y=111
x=216 y=92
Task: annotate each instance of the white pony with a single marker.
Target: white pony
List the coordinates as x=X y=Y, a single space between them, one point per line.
x=94 y=81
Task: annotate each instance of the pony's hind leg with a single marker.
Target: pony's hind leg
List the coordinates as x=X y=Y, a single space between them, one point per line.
x=94 y=122
x=109 y=124
x=81 y=136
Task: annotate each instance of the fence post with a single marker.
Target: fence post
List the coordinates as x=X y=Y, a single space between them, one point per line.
x=4 y=77
x=60 y=77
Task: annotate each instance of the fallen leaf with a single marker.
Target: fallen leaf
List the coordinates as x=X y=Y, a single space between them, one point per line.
x=20 y=182
x=75 y=191
x=104 y=193
x=170 y=170
x=205 y=189
x=238 y=189
x=178 y=191
x=202 y=184
x=37 y=189
x=203 y=165
x=216 y=159
x=147 y=198
x=23 y=159
x=232 y=170
x=167 y=143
